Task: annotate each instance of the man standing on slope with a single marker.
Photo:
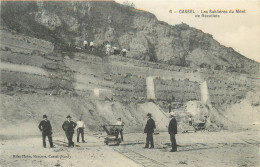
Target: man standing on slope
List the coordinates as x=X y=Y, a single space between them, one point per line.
x=91 y=45
x=172 y=129
x=85 y=43
x=149 y=130
x=46 y=129
x=68 y=126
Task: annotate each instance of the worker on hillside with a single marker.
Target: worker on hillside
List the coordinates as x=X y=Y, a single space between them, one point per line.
x=113 y=50
x=170 y=107
x=91 y=45
x=85 y=44
x=172 y=129
x=190 y=120
x=108 y=49
x=149 y=130
x=123 y=52
x=46 y=129
x=68 y=126
x=80 y=130
x=119 y=122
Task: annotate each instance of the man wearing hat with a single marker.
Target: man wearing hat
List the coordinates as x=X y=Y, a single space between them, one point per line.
x=172 y=129
x=46 y=129
x=68 y=126
x=149 y=130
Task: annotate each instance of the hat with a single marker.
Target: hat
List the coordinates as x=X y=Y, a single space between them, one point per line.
x=44 y=116
x=68 y=116
x=149 y=114
x=172 y=114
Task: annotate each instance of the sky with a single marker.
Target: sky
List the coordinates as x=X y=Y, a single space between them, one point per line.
x=241 y=31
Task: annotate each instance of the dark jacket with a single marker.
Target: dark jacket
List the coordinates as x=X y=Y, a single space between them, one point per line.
x=45 y=126
x=69 y=126
x=172 y=129
x=150 y=126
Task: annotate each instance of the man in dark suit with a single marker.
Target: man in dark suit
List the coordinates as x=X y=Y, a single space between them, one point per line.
x=46 y=129
x=149 y=130
x=172 y=129
x=68 y=126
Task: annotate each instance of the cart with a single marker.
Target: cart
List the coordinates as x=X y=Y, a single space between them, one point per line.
x=199 y=126
x=112 y=134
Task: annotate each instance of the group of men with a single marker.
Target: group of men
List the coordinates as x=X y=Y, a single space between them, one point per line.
x=172 y=130
x=91 y=45
x=69 y=126
x=109 y=49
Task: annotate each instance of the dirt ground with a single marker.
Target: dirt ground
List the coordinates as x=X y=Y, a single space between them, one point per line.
x=224 y=148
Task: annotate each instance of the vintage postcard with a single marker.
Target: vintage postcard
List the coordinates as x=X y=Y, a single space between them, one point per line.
x=130 y=83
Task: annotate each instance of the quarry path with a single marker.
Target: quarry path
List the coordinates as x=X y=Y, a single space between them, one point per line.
x=222 y=148
x=22 y=68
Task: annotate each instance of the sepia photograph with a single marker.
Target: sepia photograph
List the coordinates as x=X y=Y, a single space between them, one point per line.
x=130 y=83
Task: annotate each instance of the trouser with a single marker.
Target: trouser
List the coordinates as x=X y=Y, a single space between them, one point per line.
x=149 y=139
x=91 y=48
x=86 y=46
x=121 y=134
x=69 y=136
x=49 y=135
x=173 y=141
x=190 y=123
x=80 y=131
x=107 y=51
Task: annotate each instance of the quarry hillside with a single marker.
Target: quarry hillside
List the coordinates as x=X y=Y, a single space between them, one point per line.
x=44 y=71
x=69 y=23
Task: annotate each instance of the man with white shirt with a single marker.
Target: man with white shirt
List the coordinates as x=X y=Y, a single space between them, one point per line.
x=119 y=122
x=123 y=52
x=91 y=45
x=108 y=48
x=80 y=130
x=85 y=43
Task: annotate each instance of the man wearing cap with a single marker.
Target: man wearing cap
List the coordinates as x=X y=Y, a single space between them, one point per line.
x=68 y=126
x=46 y=129
x=172 y=129
x=149 y=130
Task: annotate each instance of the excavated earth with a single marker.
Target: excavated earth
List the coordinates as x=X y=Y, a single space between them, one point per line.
x=42 y=72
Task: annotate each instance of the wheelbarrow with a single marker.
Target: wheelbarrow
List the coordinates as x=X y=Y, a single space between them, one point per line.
x=112 y=134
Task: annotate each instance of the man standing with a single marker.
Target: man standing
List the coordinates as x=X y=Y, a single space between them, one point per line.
x=172 y=129
x=68 y=126
x=170 y=107
x=149 y=130
x=108 y=48
x=190 y=120
x=124 y=52
x=119 y=122
x=80 y=130
x=85 y=43
x=91 y=45
x=46 y=129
